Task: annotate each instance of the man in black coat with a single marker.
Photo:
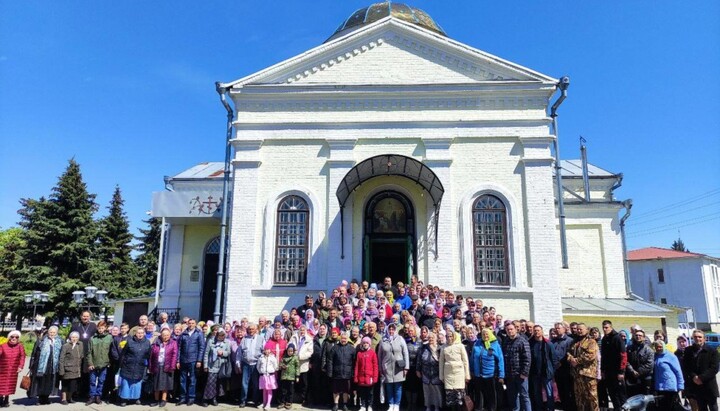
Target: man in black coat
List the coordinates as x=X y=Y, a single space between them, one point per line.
x=340 y=369
x=700 y=364
x=613 y=360
x=563 y=369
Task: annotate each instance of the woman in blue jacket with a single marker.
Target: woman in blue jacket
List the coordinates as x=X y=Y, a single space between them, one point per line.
x=487 y=368
x=667 y=376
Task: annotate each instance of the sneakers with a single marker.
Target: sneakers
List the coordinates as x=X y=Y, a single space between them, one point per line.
x=288 y=405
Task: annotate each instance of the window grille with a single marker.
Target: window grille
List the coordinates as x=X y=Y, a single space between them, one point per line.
x=490 y=241
x=291 y=246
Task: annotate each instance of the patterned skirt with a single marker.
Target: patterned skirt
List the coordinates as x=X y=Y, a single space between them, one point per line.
x=454 y=397
x=214 y=387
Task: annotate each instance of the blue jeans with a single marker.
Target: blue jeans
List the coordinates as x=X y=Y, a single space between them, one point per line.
x=187 y=389
x=250 y=381
x=536 y=386
x=517 y=392
x=393 y=392
x=97 y=381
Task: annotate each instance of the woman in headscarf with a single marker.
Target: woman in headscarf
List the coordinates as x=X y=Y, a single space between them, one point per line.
x=12 y=361
x=428 y=370
x=394 y=362
x=44 y=363
x=312 y=328
x=454 y=371
x=163 y=357
x=667 y=376
x=70 y=366
x=216 y=363
x=487 y=367
x=371 y=312
x=412 y=383
x=133 y=362
x=372 y=292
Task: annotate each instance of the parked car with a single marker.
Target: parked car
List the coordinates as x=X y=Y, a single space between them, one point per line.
x=713 y=340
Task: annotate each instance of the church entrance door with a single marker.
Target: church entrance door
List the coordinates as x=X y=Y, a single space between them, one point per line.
x=389 y=247
x=209 y=281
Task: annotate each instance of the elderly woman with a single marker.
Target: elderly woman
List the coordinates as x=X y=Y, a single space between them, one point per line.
x=44 y=365
x=454 y=371
x=70 y=366
x=12 y=361
x=412 y=384
x=428 y=370
x=163 y=357
x=133 y=362
x=216 y=363
x=667 y=376
x=394 y=362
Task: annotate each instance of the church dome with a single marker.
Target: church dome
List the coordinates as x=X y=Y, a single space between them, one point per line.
x=377 y=11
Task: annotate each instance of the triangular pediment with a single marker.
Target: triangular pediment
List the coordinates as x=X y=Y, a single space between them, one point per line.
x=392 y=52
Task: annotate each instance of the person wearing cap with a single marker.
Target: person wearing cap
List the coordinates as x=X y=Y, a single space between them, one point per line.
x=667 y=376
x=639 y=370
x=216 y=363
x=394 y=361
x=366 y=373
x=12 y=361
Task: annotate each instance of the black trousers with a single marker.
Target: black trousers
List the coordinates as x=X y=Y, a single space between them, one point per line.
x=564 y=382
x=366 y=396
x=287 y=391
x=485 y=393
x=615 y=390
x=302 y=388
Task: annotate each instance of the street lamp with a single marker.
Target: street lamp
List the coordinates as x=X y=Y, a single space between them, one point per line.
x=82 y=298
x=37 y=298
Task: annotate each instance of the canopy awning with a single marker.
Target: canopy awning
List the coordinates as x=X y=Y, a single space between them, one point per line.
x=390 y=165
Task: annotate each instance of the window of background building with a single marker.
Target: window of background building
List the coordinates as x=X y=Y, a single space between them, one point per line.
x=661 y=275
x=291 y=245
x=490 y=241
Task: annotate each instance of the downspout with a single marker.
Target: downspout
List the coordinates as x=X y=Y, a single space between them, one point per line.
x=586 y=177
x=161 y=263
x=225 y=202
x=562 y=85
x=627 y=204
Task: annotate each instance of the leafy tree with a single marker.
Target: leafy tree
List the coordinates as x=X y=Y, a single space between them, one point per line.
x=113 y=269
x=11 y=243
x=60 y=233
x=678 y=245
x=149 y=249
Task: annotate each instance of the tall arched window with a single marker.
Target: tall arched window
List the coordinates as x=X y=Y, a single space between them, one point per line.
x=490 y=241
x=291 y=244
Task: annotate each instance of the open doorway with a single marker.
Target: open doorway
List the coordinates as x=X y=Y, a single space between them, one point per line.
x=389 y=249
x=209 y=282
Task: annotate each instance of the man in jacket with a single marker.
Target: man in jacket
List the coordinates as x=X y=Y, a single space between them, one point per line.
x=516 y=352
x=340 y=368
x=542 y=370
x=97 y=359
x=192 y=349
x=403 y=299
x=700 y=363
x=639 y=369
x=563 y=371
x=613 y=355
x=252 y=348
x=583 y=358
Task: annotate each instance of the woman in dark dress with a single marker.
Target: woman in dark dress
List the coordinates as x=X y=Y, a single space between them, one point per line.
x=44 y=366
x=70 y=366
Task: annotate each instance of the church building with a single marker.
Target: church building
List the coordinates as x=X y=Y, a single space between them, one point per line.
x=393 y=150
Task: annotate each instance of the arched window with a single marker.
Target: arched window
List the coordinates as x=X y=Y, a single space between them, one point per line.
x=291 y=244
x=490 y=241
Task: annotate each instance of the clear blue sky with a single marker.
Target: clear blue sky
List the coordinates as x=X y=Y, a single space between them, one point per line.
x=127 y=89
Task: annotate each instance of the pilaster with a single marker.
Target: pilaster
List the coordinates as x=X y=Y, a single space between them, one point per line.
x=339 y=253
x=440 y=236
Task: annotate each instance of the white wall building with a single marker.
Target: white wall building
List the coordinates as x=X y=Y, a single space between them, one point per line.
x=391 y=149
x=678 y=278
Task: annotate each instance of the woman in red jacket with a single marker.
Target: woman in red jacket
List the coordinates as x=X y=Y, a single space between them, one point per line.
x=12 y=361
x=366 y=373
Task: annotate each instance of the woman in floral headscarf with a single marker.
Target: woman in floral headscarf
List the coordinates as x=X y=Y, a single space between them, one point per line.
x=371 y=312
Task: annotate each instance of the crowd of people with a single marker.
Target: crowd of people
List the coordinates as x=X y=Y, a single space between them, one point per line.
x=366 y=346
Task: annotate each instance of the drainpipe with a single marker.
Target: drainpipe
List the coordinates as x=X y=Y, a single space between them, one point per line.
x=628 y=208
x=225 y=204
x=586 y=177
x=161 y=263
x=562 y=85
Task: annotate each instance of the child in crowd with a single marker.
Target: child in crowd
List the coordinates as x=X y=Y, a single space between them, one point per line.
x=289 y=375
x=267 y=367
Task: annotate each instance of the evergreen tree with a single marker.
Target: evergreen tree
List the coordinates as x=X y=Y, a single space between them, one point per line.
x=60 y=235
x=678 y=245
x=113 y=269
x=11 y=243
x=149 y=248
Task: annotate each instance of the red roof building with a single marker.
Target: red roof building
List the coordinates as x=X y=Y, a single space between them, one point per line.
x=657 y=253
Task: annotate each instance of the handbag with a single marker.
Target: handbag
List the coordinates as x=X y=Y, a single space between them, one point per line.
x=468 y=404
x=225 y=370
x=26 y=382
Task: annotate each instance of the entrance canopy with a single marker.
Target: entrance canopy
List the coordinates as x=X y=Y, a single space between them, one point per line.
x=390 y=165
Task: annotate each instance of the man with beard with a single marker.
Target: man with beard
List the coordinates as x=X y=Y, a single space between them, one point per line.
x=86 y=329
x=309 y=305
x=583 y=358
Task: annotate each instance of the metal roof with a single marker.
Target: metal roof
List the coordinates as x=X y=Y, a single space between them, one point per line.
x=573 y=168
x=206 y=170
x=657 y=253
x=600 y=306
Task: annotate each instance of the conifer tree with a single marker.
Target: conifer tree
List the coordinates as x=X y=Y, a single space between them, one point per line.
x=149 y=248
x=113 y=269
x=678 y=245
x=11 y=243
x=63 y=235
